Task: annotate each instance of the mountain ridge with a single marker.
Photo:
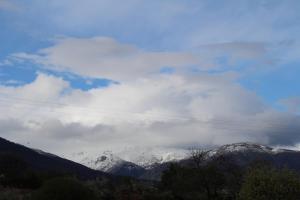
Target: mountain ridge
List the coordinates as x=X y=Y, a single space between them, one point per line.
x=144 y=158
x=242 y=153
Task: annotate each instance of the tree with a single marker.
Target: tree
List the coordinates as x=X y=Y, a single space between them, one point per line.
x=265 y=183
x=205 y=182
x=198 y=156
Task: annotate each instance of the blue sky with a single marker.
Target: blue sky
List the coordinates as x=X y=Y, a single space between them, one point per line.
x=252 y=46
x=163 y=26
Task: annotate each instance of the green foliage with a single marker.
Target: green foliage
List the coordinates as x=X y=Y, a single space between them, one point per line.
x=64 y=189
x=265 y=183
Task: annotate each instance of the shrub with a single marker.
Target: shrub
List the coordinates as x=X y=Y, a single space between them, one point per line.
x=265 y=183
x=64 y=189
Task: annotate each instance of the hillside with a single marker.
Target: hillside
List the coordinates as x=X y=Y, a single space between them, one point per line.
x=42 y=161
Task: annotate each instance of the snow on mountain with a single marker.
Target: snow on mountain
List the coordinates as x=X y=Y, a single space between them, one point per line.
x=140 y=156
x=244 y=147
x=148 y=156
x=104 y=162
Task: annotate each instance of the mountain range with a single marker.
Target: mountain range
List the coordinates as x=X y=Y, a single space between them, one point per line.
x=150 y=164
x=131 y=161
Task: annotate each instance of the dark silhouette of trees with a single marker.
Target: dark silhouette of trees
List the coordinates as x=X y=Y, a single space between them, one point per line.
x=200 y=182
x=265 y=182
x=14 y=172
x=197 y=156
x=202 y=177
x=64 y=189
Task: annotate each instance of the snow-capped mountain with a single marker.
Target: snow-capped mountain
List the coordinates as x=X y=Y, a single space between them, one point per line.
x=147 y=157
x=240 y=154
x=104 y=162
x=131 y=157
x=245 y=147
x=149 y=163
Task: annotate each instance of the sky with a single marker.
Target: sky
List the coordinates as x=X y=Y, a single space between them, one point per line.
x=107 y=74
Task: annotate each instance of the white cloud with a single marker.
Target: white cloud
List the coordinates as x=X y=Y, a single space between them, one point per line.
x=106 y=58
x=166 y=111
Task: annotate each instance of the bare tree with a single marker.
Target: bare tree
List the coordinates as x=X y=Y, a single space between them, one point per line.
x=198 y=156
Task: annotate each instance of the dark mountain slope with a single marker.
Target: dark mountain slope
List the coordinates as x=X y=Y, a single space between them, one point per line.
x=127 y=169
x=41 y=161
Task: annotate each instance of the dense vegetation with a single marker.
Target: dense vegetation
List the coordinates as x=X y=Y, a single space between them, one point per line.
x=219 y=179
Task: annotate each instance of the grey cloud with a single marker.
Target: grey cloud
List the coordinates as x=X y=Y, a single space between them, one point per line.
x=284 y=130
x=11 y=127
x=238 y=50
x=292 y=104
x=57 y=130
x=55 y=136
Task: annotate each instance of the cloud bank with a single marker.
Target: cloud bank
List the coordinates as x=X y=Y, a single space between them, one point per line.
x=166 y=111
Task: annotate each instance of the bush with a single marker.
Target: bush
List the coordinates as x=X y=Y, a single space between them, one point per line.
x=265 y=183
x=64 y=189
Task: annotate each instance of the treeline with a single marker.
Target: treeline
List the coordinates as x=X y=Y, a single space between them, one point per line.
x=222 y=180
x=218 y=179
